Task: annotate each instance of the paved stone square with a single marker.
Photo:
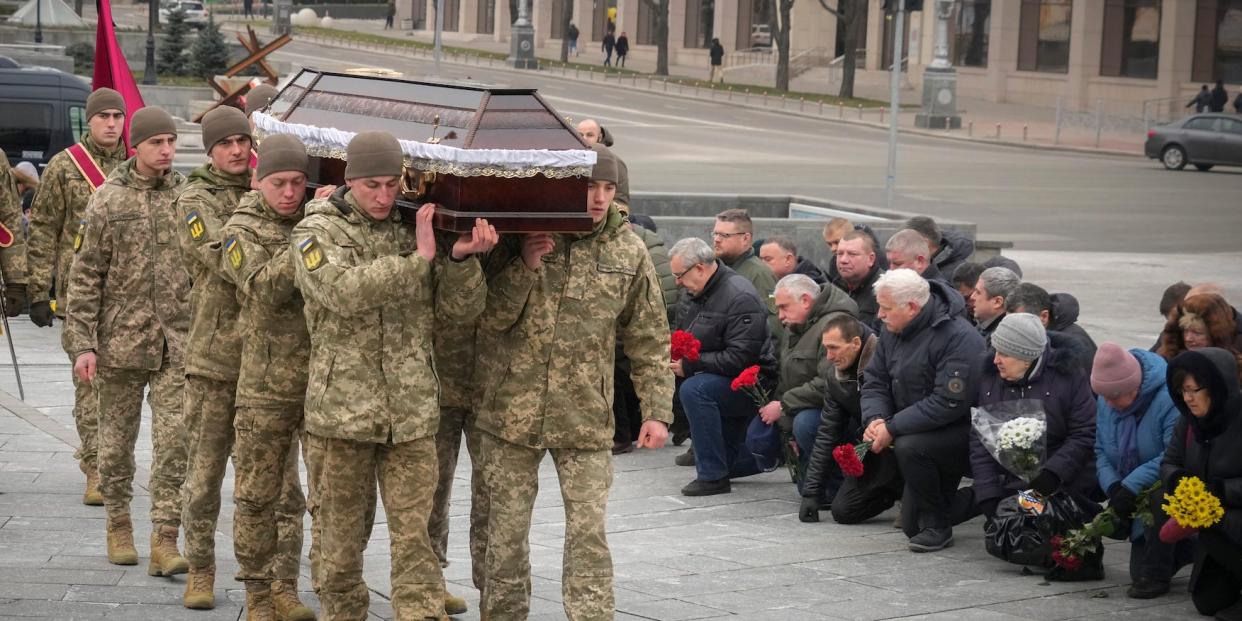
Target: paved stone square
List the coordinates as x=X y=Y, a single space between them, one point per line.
x=742 y=555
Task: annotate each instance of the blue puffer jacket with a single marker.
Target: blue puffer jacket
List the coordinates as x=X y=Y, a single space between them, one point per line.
x=1154 y=430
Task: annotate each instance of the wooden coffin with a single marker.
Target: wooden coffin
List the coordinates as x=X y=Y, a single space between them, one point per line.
x=477 y=152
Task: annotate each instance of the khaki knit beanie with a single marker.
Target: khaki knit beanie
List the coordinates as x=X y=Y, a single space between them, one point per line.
x=258 y=98
x=372 y=154
x=150 y=121
x=606 y=168
x=281 y=153
x=222 y=122
x=104 y=99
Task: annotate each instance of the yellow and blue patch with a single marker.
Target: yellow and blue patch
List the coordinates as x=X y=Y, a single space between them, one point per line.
x=196 y=226
x=77 y=239
x=234 y=252
x=312 y=256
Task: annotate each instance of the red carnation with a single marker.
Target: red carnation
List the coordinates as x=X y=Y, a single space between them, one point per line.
x=684 y=345
x=1068 y=563
x=849 y=458
x=748 y=382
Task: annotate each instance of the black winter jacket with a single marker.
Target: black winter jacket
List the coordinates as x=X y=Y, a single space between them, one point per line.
x=1062 y=385
x=1064 y=319
x=955 y=249
x=840 y=421
x=864 y=296
x=924 y=377
x=1210 y=447
x=810 y=270
x=730 y=321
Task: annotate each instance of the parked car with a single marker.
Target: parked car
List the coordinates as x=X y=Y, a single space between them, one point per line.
x=44 y=111
x=1202 y=140
x=195 y=12
x=761 y=35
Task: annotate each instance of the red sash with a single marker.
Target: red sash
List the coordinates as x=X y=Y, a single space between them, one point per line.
x=254 y=159
x=86 y=165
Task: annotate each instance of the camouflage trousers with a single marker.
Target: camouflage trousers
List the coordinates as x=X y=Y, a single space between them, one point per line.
x=512 y=475
x=453 y=421
x=267 y=519
x=368 y=502
x=86 y=419
x=406 y=472
x=209 y=411
x=120 y=405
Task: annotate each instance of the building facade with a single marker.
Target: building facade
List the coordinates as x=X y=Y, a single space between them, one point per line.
x=1121 y=52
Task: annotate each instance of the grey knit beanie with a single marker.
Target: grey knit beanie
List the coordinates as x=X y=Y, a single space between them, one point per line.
x=222 y=122
x=605 y=168
x=373 y=154
x=281 y=153
x=1021 y=336
x=150 y=121
x=104 y=98
x=258 y=98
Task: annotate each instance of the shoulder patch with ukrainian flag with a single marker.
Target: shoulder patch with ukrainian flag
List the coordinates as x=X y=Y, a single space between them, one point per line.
x=312 y=256
x=234 y=252
x=77 y=239
x=195 y=224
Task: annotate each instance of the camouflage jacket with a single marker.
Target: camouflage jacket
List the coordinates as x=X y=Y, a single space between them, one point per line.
x=128 y=284
x=205 y=202
x=547 y=339
x=13 y=256
x=454 y=355
x=275 y=346
x=371 y=305
x=57 y=217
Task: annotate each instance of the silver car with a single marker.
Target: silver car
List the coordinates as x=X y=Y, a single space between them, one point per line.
x=1202 y=140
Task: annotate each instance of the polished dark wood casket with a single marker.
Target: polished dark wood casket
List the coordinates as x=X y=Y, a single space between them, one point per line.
x=498 y=153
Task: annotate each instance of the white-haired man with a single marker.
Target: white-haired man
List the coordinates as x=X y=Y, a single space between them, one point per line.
x=916 y=397
x=907 y=249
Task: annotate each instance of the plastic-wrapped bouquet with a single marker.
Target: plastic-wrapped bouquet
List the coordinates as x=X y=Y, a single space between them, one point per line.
x=1013 y=432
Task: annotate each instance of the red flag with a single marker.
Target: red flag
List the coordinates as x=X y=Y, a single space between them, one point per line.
x=111 y=70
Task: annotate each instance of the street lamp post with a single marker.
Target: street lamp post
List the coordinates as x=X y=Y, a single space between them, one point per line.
x=522 y=40
x=148 y=74
x=940 y=78
x=39 y=21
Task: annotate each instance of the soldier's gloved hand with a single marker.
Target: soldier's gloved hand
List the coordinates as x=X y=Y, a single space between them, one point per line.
x=809 y=511
x=41 y=314
x=1122 y=500
x=15 y=298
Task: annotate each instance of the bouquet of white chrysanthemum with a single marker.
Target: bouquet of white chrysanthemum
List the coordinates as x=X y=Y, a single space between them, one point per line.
x=1014 y=433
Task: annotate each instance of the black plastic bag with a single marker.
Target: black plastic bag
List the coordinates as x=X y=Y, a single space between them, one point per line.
x=1023 y=536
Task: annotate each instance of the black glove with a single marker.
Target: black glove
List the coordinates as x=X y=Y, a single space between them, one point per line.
x=988 y=507
x=15 y=298
x=809 y=511
x=1122 y=501
x=41 y=314
x=1045 y=483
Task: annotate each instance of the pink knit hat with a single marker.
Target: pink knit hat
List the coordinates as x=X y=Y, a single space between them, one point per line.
x=1115 y=372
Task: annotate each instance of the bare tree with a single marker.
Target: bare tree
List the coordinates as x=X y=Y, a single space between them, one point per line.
x=782 y=44
x=849 y=12
x=567 y=15
x=661 y=34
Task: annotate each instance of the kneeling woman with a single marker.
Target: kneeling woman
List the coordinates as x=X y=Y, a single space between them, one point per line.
x=1207 y=443
x=1024 y=364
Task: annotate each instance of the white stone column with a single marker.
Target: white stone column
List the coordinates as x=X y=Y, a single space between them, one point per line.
x=1086 y=33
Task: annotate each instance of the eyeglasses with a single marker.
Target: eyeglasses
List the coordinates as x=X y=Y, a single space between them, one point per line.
x=677 y=276
x=716 y=235
x=1190 y=392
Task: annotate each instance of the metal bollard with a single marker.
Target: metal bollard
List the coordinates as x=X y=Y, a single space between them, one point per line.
x=998 y=130
x=860 y=112
x=747 y=100
x=731 y=93
x=1024 y=128
x=821 y=107
x=665 y=85
x=970 y=129
x=840 y=111
x=881 y=115
x=765 y=99
x=802 y=104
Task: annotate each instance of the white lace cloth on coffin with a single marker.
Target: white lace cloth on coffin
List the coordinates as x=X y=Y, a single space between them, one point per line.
x=330 y=142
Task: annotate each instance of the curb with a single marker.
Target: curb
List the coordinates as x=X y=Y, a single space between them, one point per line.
x=871 y=124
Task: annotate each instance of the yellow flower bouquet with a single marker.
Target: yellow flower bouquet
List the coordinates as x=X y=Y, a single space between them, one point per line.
x=1191 y=508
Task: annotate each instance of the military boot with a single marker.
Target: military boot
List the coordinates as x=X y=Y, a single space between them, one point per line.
x=200 y=588
x=286 y=603
x=166 y=560
x=259 y=601
x=121 y=541
x=91 y=496
x=454 y=605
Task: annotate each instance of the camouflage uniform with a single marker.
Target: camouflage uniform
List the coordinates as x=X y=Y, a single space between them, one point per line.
x=130 y=295
x=454 y=349
x=12 y=257
x=545 y=351
x=371 y=407
x=271 y=389
x=214 y=354
x=57 y=216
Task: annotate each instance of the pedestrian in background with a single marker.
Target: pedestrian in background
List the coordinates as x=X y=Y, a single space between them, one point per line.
x=248 y=9
x=1220 y=97
x=1202 y=100
x=572 y=35
x=610 y=42
x=717 y=56
x=392 y=12
x=623 y=48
